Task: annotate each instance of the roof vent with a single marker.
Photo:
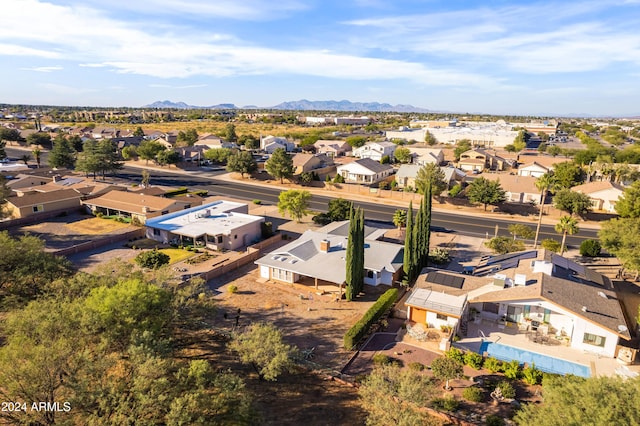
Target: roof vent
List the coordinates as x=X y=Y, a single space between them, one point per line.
x=601 y=294
x=325 y=246
x=584 y=309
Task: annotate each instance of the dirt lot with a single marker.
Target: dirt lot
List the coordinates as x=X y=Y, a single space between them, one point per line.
x=67 y=231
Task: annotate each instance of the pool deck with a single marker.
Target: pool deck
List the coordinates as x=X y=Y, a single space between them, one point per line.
x=510 y=336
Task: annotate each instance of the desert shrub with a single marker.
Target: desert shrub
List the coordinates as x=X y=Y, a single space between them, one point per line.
x=266 y=229
x=232 y=289
x=381 y=359
x=100 y=214
x=493 y=365
x=507 y=389
x=447 y=403
x=257 y=201
x=504 y=245
x=493 y=420
x=531 y=375
x=551 y=245
x=473 y=360
x=338 y=179
x=473 y=394
x=416 y=366
x=178 y=191
x=590 y=248
x=321 y=219
x=438 y=256
x=455 y=353
x=511 y=369
x=152 y=259
x=361 y=328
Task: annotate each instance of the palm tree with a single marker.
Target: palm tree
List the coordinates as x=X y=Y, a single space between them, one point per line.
x=36 y=153
x=545 y=183
x=25 y=158
x=567 y=225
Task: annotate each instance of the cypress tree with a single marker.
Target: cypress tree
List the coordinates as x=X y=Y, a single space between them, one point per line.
x=409 y=248
x=350 y=259
x=359 y=251
x=428 y=207
x=418 y=241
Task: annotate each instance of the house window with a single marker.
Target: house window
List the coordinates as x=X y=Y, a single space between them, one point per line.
x=235 y=237
x=490 y=307
x=593 y=339
x=369 y=274
x=441 y=317
x=38 y=208
x=156 y=232
x=219 y=239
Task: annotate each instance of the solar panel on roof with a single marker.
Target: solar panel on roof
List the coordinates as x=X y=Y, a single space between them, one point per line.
x=445 y=279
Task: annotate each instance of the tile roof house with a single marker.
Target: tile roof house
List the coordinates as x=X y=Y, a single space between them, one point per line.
x=219 y=225
x=303 y=162
x=365 y=171
x=135 y=205
x=319 y=257
x=480 y=159
x=406 y=175
x=422 y=156
x=544 y=297
x=518 y=189
x=375 y=150
x=211 y=141
x=604 y=194
x=533 y=169
x=270 y=143
x=331 y=148
x=34 y=202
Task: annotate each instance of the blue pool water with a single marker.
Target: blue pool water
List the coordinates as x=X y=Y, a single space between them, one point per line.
x=542 y=362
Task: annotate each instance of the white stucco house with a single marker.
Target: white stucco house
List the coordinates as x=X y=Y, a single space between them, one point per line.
x=270 y=143
x=365 y=171
x=604 y=194
x=533 y=169
x=375 y=150
x=218 y=225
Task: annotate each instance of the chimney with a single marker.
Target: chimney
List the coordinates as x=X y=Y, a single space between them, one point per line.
x=57 y=178
x=325 y=245
x=145 y=209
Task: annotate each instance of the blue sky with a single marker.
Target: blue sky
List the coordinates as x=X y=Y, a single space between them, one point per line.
x=498 y=57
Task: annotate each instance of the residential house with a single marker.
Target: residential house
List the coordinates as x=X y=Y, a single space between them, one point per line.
x=406 y=175
x=135 y=205
x=32 y=203
x=219 y=225
x=435 y=309
x=303 y=162
x=518 y=189
x=99 y=133
x=375 y=150
x=365 y=171
x=270 y=143
x=533 y=169
x=318 y=257
x=211 y=141
x=542 y=299
x=332 y=149
x=479 y=159
x=27 y=181
x=424 y=156
x=86 y=187
x=604 y=194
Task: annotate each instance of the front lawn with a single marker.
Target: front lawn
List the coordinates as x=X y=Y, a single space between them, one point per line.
x=177 y=255
x=95 y=226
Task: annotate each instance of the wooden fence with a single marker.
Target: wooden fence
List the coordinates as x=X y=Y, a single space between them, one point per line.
x=39 y=217
x=90 y=245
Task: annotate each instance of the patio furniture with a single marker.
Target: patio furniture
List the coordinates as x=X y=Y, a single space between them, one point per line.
x=535 y=325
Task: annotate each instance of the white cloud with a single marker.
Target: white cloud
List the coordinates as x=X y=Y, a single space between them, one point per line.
x=188 y=86
x=42 y=69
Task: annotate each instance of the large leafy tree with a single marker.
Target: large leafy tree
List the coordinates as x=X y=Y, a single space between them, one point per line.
x=394 y=396
x=148 y=150
x=628 y=204
x=62 y=154
x=402 y=154
x=98 y=158
x=11 y=135
x=242 y=162
x=620 y=238
x=574 y=203
x=168 y=157
x=188 y=138
x=568 y=174
x=262 y=346
x=433 y=174
x=486 y=192
x=572 y=400
x=230 y=133
x=39 y=138
x=446 y=369
x=280 y=165
x=462 y=146
x=545 y=184
x=219 y=155
x=567 y=225
x=521 y=230
x=295 y=203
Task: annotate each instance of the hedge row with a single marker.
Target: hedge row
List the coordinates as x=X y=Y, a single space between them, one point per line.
x=175 y=192
x=361 y=328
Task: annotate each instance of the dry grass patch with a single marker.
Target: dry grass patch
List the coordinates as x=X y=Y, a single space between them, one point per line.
x=95 y=226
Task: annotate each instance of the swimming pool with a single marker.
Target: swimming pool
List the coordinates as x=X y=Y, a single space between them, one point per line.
x=542 y=362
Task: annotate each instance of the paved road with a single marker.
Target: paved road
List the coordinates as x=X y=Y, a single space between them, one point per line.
x=477 y=226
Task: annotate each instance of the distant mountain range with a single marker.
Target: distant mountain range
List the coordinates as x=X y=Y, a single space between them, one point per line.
x=303 y=105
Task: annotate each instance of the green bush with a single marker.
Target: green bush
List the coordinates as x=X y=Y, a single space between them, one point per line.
x=511 y=369
x=473 y=360
x=447 y=403
x=507 y=389
x=493 y=365
x=381 y=359
x=473 y=394
x=232 y=289
x=438 y=256
x=455 y=190
x=455 y=353
x=590 y=248
x=551 y=245
x=375 y=312
x=266 y=229
x=100 y=214
x=152 y=259
x=257 y=201
x=416 y=366
x=494 y=420
x=178 y=191
x=531 y=375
